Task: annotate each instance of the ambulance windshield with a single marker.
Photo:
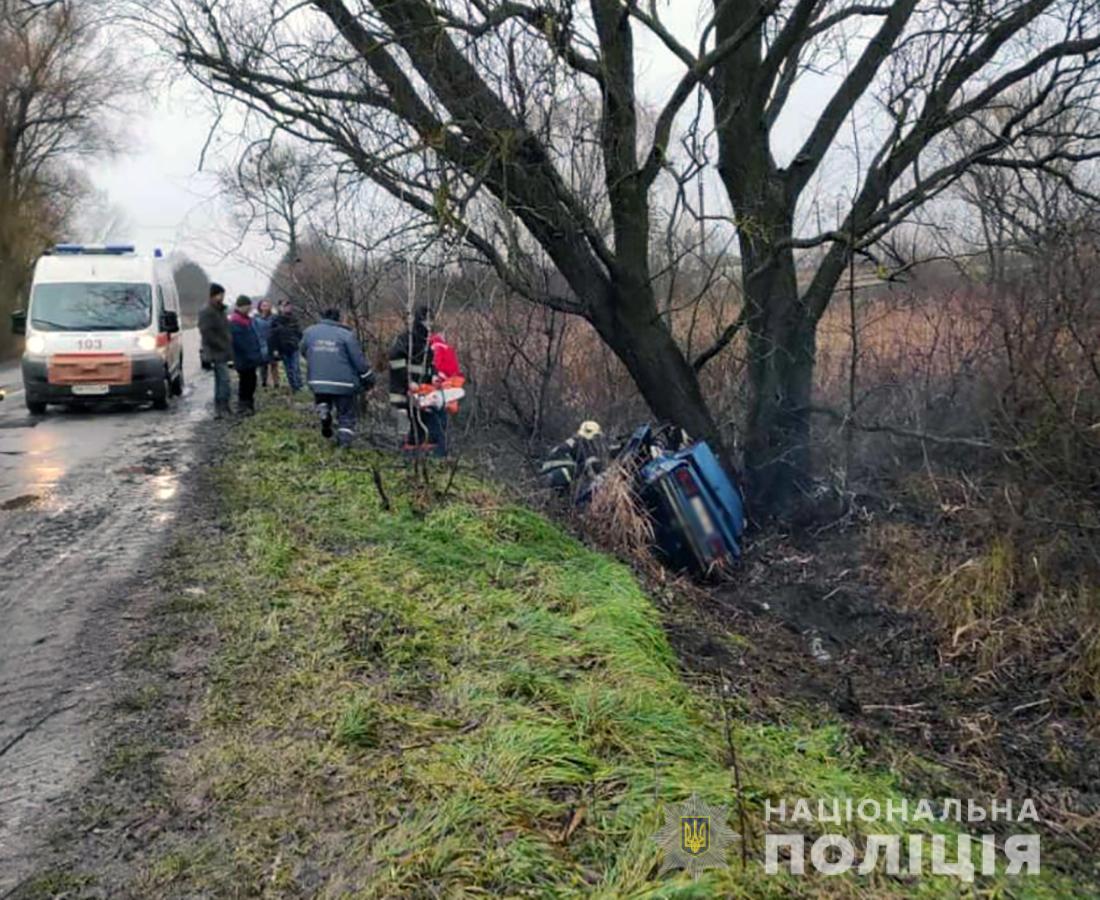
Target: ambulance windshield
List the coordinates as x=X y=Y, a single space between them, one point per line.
x=91 y=306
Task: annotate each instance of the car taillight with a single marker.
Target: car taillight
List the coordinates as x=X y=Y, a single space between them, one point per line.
x=717 y=545
x=687 y=482
x=162 y=340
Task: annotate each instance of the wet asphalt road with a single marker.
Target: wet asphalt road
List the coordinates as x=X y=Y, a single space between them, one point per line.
x=87 y=498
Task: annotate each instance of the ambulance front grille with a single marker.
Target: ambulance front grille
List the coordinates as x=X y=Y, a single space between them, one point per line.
x=89 y=368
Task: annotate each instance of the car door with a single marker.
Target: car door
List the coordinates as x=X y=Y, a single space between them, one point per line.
x=173 y=304
x=174 y=342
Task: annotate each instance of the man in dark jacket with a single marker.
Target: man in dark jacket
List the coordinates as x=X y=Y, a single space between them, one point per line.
x=411 y=367
x=217 y=346
x=338 y=371
x=248 y=355
x=286 y=335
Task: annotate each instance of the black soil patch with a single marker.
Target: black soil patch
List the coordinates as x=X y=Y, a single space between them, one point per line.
x=809 y=620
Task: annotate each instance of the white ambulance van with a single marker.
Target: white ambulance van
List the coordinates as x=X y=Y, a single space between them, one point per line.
x=102 y=324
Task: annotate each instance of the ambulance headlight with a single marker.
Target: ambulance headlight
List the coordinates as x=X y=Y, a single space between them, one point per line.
x=36 y=344
x=147 y=342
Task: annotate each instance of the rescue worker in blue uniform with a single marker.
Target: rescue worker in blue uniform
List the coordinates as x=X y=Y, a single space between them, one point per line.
x=338 y=371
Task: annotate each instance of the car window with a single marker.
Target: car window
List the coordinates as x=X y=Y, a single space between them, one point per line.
x=91 y=306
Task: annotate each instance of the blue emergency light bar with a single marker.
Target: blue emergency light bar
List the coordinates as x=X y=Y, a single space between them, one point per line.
x=99 y=250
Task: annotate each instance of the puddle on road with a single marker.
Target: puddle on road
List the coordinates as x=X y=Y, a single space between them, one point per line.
x=40 y=463
x=166 y=486
x=163 y=479
x=20 y=502
x=45 y=469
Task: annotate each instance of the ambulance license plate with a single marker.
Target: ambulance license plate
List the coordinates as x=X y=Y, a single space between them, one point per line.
x=91 y=390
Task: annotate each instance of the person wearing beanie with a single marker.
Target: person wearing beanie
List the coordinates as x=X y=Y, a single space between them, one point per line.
x=248 y=355
x=217 y=346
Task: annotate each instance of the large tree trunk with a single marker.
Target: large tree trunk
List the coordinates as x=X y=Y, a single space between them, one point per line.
x=639 y=337
x=14 y=279
x=781 y=345
x=780 y=327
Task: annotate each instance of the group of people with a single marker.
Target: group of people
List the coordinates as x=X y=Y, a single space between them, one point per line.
x=420 y=362
x=255 y=342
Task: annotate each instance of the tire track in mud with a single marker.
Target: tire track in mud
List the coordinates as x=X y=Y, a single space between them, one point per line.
x=67 y=566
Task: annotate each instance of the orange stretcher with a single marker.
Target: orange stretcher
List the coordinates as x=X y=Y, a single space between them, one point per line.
x=444 y=395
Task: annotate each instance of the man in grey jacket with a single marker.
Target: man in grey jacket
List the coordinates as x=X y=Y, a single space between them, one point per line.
x=338 y=371
x=217 y=346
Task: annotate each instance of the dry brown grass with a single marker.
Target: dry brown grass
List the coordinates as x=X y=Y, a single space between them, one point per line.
x=998 y=606
x=616 y=519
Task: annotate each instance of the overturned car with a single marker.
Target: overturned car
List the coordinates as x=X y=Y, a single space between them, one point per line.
x=695 y=508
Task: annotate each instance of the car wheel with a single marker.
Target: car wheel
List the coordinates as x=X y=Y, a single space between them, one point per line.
x=36 y=407
x=164 y=391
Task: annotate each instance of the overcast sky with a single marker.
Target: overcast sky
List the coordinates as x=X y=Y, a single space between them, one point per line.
x=168 y=203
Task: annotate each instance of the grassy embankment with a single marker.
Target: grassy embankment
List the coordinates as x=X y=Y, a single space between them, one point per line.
x=456 y=698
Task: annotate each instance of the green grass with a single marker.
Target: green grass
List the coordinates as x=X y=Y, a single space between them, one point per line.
x=422 y=702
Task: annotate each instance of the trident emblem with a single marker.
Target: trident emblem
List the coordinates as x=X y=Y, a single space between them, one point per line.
x=695 y=837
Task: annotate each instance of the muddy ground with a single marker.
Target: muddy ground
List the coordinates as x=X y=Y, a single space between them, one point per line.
x=808 y=621
x=87 y=501
x=824 y=629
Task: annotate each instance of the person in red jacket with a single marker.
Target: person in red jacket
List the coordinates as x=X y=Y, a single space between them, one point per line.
x=444 y=358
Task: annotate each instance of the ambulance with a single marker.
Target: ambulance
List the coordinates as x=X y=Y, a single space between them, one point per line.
x=102 y=324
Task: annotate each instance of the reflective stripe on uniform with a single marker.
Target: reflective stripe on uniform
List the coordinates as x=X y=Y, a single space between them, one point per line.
x=399 y=398
x=415 y=368
x=313 y=382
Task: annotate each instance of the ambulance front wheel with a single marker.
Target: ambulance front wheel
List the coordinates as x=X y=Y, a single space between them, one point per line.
x=163 y=391
x=177 y=382
x=36 y=407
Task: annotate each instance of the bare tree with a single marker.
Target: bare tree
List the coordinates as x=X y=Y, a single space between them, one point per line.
x=921 y=68
x=1020 y=216
x=275 y=189
x=445 y=105
x=57 y=79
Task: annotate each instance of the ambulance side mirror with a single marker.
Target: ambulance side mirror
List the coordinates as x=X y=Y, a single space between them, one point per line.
x=19 y=322
x=169 y=321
